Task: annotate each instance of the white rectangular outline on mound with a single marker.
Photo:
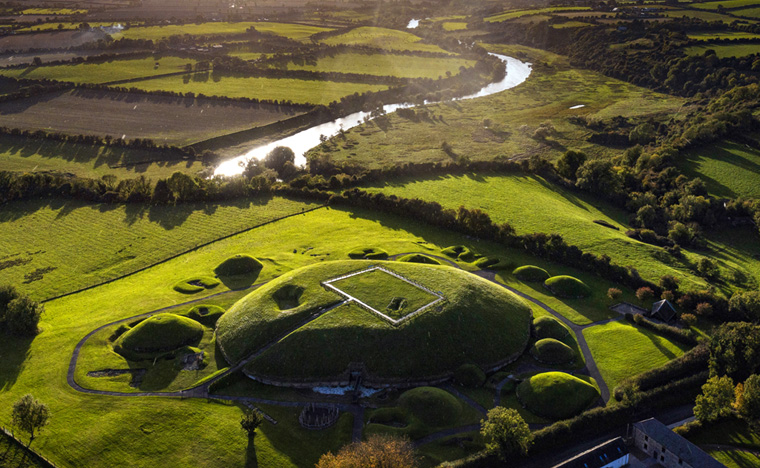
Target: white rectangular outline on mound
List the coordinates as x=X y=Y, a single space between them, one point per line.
x=350 y=298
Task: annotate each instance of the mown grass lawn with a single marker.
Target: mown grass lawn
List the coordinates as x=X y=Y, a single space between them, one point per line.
x=724 y=50
x=729 y=169
x=622 y=350
x=403 y=66
x=519 y=13
x=280 y=89
x=104 y=72
x=382 y=38
x=292 y=31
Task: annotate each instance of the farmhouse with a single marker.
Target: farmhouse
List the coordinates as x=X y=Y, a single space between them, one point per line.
x=611 y=454
x=668 y=448
x=663 y=310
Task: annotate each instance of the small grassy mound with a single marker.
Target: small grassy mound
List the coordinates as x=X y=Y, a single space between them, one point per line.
x=556 y=395
x=288 y=296
x=567 y=287
x=493 y=263
x=432 y=406
x=549 y=327
x=419 y=258
x=196 y=284
x=469 y=375
x=455 y=251
x=238 y=265
x=205 y=314
x=394 y=417
x=368 y=253
x=551 y=351
x=531 y=273
x=158 y=334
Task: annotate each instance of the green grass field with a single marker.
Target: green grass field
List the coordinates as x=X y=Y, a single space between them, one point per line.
x=643 y=350
x=749 y=12
x=519 y=13
x=86 y=244
x=280 y=89
x=12 y=454
x=571 y=24
x=102 y=72
x=711 y=35
x=700 y=14
x=383 y=38
x=728 y=4
x=735 y=458
x=724 y=50
x=454 y=25
x=730 y=431
x=52 y=11
x=729 y=169
x=292 y=31
x=404 y=66
x=377 y=289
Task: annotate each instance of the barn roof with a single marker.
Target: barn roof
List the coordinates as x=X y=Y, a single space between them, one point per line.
x=674 y=443
x=598 y=456
x=664 y=309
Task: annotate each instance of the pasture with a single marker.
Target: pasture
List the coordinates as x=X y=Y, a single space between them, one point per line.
x=103 y=72
x=728 y=4
x=724 y=50
x=280 y=89
x=512 y=14
x=49 y=40
x=291 y=31
x=170 y=120
x=749 y=12
x=53 y=11
x=704 y=15
x=403 y=66
x=729 y=169
x=623 y=350
x=711 y=35
x=382 y=38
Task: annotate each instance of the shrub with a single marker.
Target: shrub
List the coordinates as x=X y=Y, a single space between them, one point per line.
x=704 y=309
x=488 y=262
x=707 y=268
x=378 y=450
x=614 y=294
x=469 y=375
x=551 y=351
x=22 y=315
x=432 y=406
x=689 y=319
x=238 y=265
x=549 y=327
x=531 y=273
x=567 y=287
x=644 y=294
x=674 y=333
x=419 y=258
x=368 y=253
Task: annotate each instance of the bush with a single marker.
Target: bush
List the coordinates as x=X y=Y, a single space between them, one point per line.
x=549 y=327
x=567 y=287
x=238 y=265
x=432 y=406
x=469 y=375
x=368 y=253
x=551 y=351
x=419 y=258
x=689 y=319
x=196 y=284
x=704 y=309
x=531 y=273
x=645 y=294
x=22 y=315
x=614 y=294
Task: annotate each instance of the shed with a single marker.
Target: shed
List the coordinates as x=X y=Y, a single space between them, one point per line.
x=663 y=310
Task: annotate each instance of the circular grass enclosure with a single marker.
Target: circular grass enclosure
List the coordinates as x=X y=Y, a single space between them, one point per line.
x=158 y=334
x=556 y=395
x=418 y=258
x=551 y=351
x=469 y=375
x=531 y=273
x=368 y=253
x=567 y=287
x=549 y=327
x=196 y=284
x=478 y=323
x=205 y=314
x=431 y=406
x=238 y=265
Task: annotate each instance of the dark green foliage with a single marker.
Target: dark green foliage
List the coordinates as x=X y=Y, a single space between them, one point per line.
x=716 y=400
x=745 y=305
x=196 y=284
x=368 y=253
x=469 y=375
x=735 y=350
x=748 y=401
x=568 y=163
x=30 y=415
x=238 y=265
x=599 y=177
x=556 y=395
x=568 y=287
x=205 y=314
x=279 y=157
x=389 y=416
x=531 y=273
x=549 y=327
x=19 y=315
x=506 y=433
x=551 y=351
x=251 y=421
x=419 y=258
x=674 y=333
x=122 y=329
x=158 y=334
x=432 y=406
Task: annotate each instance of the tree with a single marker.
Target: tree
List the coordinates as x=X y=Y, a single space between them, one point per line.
x=747 y=402
x=22 y=316
x=744 y=305
x=716 y=399
x=735 y=350
x=614 y=293
x=645 y=294
x=506 y=433
x=378 y=451
x=669 y=282
x=251 y=421
x=707 y=268
x=277 y=158
x=568 y=163
x=30 y=415
x=598 y=176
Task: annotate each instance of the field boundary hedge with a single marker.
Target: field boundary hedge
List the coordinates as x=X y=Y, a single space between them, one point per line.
x=36 y=456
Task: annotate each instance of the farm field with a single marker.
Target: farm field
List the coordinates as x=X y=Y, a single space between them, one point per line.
x=546 y=97
x=643 y=350
x=46 y=251
x=735 y=458
x=280 y=89
x=749 y=12
x=31 y=155
x=113 y=70
x=163 y=119
x=454 y=25
x=66 y=26
x=27 y=58
x=291 y=31
x=704 y=15
x=724 y=50
x=571 y=24
x=403 y=66
x=711 y=35
x=729 y=169
x=518 y=13
x=382 y=38
x=49 y=40
x=728 y=4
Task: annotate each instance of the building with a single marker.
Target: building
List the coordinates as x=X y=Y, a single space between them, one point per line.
x=663 y=310
x=611 y=454
x=668 y=448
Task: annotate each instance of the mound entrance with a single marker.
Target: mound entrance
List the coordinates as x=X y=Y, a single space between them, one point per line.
x=385 y=293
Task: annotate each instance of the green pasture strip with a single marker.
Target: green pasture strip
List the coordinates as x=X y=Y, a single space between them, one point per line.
x=623 y=350
x=749 y=12
x=66 y=26
x=724 y=50
x=403 y=66
x=518 y=13
x=289 y=30
x=729 y=169
x=734 y=458
x=712 y=35
x=52 y=11
x=700 y=14
x=728 y=4
x=730 y=431
x=454 y=25
x=570 y=24
x=388 y=39
x=103 y=72
x=280 y=89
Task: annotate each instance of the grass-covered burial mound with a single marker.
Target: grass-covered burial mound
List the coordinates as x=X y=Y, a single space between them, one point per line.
x=549 y=327
x=567 y=287
x=238 y=265
x=470 y=321
x=531 y=273
x=159 y=334
x=432 y=406
x=368 y=253
x=556 y=395
x=551 y=351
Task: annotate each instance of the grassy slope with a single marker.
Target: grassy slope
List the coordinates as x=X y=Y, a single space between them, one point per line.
x=519 y=13
x=292 y=31
x=383 y=38
x=750 y=12
x=710 y=35
x=623 y=350
x=377 y=289
x=103 y=431
x=728 y=169
x=102 y=72
x=87 y=244
x=735 y=459
x=726 y=4
x=281 y=89
x=545 y=97
x=703 y=15
x=729 y=432
x=404 y=66
x=724 y=50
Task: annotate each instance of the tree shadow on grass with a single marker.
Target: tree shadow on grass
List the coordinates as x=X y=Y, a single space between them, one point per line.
x=239 y=281
x=251 y=459
x=14 y=351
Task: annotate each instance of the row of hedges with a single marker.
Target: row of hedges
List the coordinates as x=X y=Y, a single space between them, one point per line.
x=674 y=333
x=692 y=362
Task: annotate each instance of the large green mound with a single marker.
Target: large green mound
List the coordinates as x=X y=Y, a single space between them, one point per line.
x=477 y=322
x=432 y=406
x=551 y=351
x=238 y=265
x=531 y=273
x=160 y=333
x=556 y=395
x=549 y=327
x=568 y=287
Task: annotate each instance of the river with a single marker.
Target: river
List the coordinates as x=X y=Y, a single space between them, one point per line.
x=303 y=141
